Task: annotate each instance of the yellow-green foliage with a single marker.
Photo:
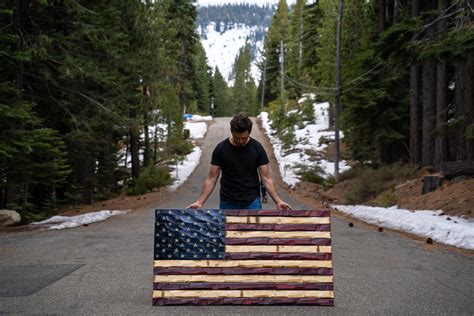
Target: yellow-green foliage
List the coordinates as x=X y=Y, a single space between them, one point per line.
x=151 y=178
x=369 y=182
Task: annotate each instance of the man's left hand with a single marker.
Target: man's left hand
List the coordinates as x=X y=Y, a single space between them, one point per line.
x=283 y=206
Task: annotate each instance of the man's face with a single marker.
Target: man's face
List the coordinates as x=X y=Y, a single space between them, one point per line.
x=240 y=139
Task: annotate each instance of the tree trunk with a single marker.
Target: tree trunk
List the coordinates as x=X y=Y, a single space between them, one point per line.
x=19 y=68
x=441 y=140
x=415 y=115
x=460 y=112
x=146 y=140
x=134 y=137
x=331 y=116
x=415 y=118
x=382 y=6
x=415 y=8
x=469 y=102
x=155 y=145
x=429 y=113
x=431 y=183
x=106 y=167
x=24 y=203
x=396 y=11
x=134 y=152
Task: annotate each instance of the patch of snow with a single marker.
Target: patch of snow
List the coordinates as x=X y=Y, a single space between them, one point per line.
x=199 y=118
x=457 y=231
x=63 y=222
x=307 y=138
x=196 y=130
x=185 y=168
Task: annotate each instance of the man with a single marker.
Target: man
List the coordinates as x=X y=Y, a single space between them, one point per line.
x=240 y=158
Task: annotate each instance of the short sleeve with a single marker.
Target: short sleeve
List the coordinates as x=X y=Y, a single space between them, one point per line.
x=262 y=155
x=217 y=156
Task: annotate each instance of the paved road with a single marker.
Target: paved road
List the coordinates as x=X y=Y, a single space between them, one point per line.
x=106 y=268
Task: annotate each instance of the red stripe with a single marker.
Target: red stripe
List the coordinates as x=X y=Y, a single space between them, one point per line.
x=244 y=301
x=276 y=213
x=242 y=286
x=280 y=227
x=278 y=241
x=275 y=256
x=255 y=271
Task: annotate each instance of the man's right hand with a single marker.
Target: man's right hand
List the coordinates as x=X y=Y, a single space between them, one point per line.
x=195 y=205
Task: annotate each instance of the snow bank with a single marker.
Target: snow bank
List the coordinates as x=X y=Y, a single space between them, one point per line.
x=62 y=222
x=307 y=138
x=196 y=130
x=199 y=118
x=457 y=231
x=185 y=168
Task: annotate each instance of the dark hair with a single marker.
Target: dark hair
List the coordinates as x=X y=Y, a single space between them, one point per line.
x=240 y=123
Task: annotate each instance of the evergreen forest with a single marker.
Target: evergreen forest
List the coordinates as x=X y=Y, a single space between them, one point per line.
x=92 y=93
x=406 y=89
x=80 y=82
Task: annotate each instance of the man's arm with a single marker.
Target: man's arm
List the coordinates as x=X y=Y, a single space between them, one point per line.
x=271 y=189
x=207 y=187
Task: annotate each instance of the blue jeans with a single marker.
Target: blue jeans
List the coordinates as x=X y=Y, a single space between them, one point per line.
x=255 y=205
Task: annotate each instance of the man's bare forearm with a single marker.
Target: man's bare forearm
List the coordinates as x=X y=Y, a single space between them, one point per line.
x=271 y=189
x=207 y=188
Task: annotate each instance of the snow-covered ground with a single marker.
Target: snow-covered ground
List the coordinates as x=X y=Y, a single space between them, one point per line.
x=62 y=222
x=204 y=3
x=183 y=169
x=222 y=48
x=449 y=230
x=306 y=138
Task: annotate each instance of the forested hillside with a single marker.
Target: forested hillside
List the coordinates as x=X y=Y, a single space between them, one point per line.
x=224 y=29
x=79 y=83
x=227 y=16
x=232 y=34
x=407 y=82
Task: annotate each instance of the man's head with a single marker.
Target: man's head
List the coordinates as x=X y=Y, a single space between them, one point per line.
x=240 y=128
x=240 y=123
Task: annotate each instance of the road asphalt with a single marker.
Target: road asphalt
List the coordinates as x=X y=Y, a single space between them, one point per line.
x=106 y=267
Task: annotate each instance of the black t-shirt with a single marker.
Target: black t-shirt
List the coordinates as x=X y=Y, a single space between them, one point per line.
x=240 y=183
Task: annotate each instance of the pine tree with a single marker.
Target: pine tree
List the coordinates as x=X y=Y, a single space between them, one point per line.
x=244 y=91
x=203 y=80
x=278 y=32
x=221 y=95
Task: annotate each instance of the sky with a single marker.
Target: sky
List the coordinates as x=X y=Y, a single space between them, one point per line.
x=261 y=2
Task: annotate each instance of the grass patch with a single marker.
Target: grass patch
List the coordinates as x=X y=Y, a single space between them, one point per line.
x=151 y=178
x=313 y=175
x=368 y=182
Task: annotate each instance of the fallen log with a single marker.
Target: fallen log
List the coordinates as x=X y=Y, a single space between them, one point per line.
x=453 y=169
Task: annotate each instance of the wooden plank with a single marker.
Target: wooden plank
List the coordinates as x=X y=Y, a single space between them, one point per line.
x=312 y=213
x=276 y=256
x=276 y=220
x=243 y=293
x=242 y=278
x=254 y=271
x=245 y=263
x=273 y=234
x=244 y=301
x=242 y=286
x=278 y=241
x=280 y=227
x=266 y=248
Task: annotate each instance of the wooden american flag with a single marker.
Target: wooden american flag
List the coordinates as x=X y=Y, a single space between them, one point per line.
x=242 y=257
